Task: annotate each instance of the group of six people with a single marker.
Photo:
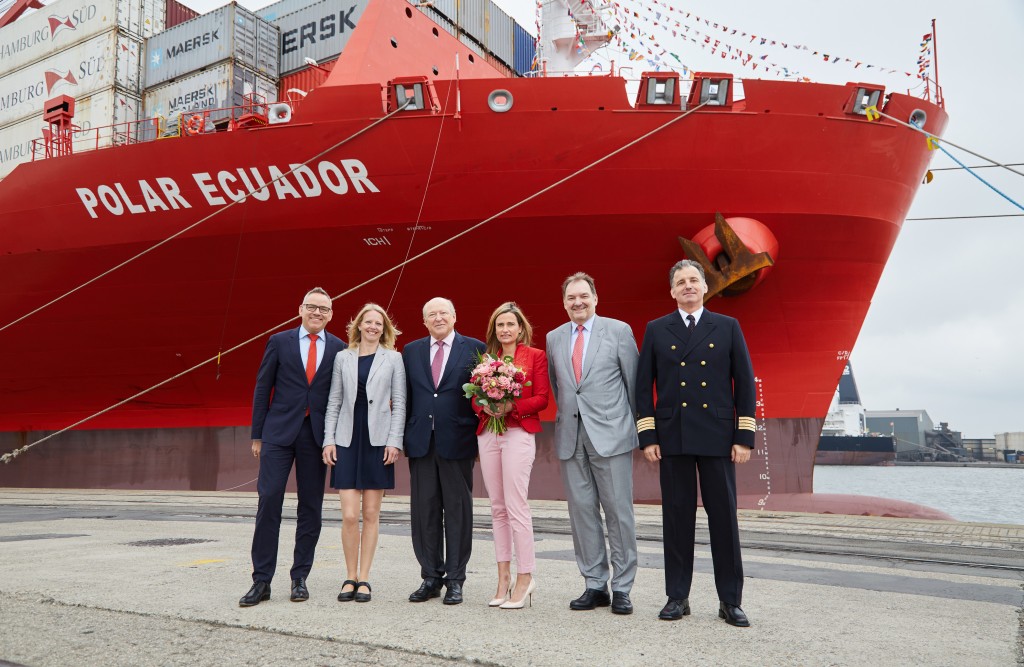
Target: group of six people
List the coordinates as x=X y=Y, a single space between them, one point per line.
x=369 y=405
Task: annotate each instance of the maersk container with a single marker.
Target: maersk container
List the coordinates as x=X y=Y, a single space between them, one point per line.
x=499 y=34
x=108 y=60
x=230 y=32
x=274 y=11
x=524 y=49
x=448 y=8
x=294 y=87
x=65 y=23
x=440 y=19
x=217 y=87
x=178 y=13
x=472 y=44
x=93 y=114
x=472 y=16
x=319 y=31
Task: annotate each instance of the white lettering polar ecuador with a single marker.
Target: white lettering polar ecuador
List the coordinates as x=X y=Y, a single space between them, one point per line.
x=240 y=184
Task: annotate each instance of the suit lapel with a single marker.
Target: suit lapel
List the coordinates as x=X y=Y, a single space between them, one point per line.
x=596 y=339
x=454 y=359
x=378 y=359
x=701 y=331
x=425 y=360
x=350 y=371
x=563 y=356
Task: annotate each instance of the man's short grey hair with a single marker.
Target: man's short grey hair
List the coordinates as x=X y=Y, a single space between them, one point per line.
x=319 y=290
x=682 y=264
x=451 y=306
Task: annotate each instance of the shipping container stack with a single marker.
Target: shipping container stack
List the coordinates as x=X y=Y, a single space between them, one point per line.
x=210 y=62
x=486 y=29
x=91 y=51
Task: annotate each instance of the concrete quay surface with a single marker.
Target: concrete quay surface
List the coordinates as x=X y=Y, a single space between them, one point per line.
x=153 y=578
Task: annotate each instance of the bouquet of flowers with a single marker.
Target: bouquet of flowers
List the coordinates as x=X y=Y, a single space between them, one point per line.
x=494 y=384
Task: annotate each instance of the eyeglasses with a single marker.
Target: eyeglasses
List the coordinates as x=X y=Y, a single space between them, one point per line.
x=312 y=308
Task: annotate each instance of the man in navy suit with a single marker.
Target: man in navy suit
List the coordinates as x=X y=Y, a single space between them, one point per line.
x=288 y=409
x=703 y=423
x=440 y=441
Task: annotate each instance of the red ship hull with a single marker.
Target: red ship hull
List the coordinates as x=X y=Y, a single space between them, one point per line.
x=833 y=189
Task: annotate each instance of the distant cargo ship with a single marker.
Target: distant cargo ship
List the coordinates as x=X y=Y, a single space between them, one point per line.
x=797 y=170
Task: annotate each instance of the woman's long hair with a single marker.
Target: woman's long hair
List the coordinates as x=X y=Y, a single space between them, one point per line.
x=525 y=330
x=387 y=337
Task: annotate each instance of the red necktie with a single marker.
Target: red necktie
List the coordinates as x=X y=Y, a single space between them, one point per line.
x=311 y=362
x=577 y=354
x=437 y=363
x=311 y=359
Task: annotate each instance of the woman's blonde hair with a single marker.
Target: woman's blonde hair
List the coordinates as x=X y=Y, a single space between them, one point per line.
x=387 y=337
x=525 y=330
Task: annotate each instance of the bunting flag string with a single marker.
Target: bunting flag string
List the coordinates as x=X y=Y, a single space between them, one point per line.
x=705 y=40
x=660 y=11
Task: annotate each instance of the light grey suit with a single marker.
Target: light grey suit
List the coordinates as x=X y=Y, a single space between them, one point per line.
x=595 y=435
x=385 y=393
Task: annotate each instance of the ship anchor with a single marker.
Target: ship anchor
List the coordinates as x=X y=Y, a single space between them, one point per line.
x=735 y=269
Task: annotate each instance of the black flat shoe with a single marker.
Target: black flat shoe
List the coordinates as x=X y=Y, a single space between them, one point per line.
x=733 y=615
x=299 y=591
x=348 y=596
x=259 y=592
x=363 y=597
x=591 y=599
x=675 y=610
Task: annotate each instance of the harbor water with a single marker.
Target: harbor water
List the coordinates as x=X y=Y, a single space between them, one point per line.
x=989 y=495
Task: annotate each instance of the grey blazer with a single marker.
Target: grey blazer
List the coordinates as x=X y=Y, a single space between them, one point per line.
x=604 y=398
x=385 y=393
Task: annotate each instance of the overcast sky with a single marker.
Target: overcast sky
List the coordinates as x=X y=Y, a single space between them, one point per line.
x=944 y=327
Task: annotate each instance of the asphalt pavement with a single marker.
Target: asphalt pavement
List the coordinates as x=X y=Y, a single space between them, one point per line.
x=153 y=578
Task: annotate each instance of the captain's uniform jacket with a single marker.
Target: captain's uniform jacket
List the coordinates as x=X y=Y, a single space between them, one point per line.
x=705 y=382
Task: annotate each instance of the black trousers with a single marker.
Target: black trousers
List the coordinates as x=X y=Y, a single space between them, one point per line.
x=441 y=509
x=679 y=519
x=310 y=472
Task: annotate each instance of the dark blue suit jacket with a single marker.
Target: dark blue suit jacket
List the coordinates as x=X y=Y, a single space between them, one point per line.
x=445 y=411
x=705 y=384
x=283 y=393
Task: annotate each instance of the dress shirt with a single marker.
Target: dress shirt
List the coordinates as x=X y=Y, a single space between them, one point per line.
x=447 y=349
x=696 y=315
x=321 y=346
x=588 y=328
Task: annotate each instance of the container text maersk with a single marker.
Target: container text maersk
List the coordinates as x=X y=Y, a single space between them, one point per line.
x=259 y=183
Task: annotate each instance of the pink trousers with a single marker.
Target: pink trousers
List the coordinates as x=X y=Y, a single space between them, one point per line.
x=506 y=461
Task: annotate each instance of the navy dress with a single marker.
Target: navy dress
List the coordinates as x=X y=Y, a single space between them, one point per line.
x=361 y=465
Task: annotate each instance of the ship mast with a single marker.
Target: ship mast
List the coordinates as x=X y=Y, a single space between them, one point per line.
x=569 y=31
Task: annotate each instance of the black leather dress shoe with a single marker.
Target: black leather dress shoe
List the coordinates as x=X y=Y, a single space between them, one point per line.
x=259 y=592
x=675 y=610
x=430 y=588
x=454 y=593
x=621 y=603
x=591 y=599
x=360 y=596
x=299 y=592
x=733 y=615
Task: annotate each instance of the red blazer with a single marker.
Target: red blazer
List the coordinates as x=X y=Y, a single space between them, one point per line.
x=527 y=407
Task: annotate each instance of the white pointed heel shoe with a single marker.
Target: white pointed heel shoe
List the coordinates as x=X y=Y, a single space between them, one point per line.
x=527 y=599
x=497 y=602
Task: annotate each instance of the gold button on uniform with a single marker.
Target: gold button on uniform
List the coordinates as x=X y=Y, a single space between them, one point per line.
x=703 y=363
x=682 y=384
x=711 y=345
x=684 y=405
x=703 y=384
x=682 y=363
x=705 y=405
x=673 y=347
